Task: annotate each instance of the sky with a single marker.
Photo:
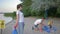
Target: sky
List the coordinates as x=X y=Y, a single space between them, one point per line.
x=8 y=5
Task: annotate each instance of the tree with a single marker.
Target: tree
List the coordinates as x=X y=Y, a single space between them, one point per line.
x=27 y=7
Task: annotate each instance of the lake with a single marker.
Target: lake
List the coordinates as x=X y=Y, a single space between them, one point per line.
x=6 y=19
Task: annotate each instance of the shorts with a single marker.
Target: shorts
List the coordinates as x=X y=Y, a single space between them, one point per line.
x=50 y=26
x=36 y=26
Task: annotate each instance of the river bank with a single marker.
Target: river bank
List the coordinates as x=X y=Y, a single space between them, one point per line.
x=6 y=19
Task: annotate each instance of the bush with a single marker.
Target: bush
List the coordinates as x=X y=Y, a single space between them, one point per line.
x=27 y=12
x=27 y=7
x=58 y=15
x=52 y=11
x=58 y=12
x=13 y=15
x=33 y=13
x=37 y=13
x=42 y=13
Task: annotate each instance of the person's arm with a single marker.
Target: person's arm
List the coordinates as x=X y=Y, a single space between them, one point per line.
x=43 y=22
x=17 y=15
x=41 y=25
x=41 y=28
x=17 y=20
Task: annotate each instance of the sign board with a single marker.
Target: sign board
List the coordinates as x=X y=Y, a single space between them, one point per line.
x=2 y=24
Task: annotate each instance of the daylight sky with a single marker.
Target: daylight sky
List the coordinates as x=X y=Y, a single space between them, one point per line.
x=8 y=5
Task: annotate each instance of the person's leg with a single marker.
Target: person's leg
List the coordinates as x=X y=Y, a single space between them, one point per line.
x=41 y=27
x=18 y=28
x=36 y=27
x=21 y=28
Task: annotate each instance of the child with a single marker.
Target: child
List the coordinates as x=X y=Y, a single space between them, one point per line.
x=19 y=19
x=50 y=23
x=38 y=22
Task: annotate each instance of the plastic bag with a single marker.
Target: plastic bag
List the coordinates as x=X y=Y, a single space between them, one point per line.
x=46 y=28
x=14 y=31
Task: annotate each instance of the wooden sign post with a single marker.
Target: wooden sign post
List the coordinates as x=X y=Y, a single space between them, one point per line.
x=2 y=25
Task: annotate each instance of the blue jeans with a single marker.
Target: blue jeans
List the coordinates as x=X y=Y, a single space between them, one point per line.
x=21 y=27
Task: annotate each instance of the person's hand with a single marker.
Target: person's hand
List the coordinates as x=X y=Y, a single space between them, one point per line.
x=15 y=26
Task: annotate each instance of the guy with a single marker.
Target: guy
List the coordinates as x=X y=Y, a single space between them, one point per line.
x=37 y=23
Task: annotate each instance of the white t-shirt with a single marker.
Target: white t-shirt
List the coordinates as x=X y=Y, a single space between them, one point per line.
x=38 y=21
x=21 y=16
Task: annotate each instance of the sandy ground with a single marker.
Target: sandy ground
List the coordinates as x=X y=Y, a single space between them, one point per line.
x=28 y=26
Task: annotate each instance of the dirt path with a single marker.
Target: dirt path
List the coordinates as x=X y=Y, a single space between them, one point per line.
x=28 y=26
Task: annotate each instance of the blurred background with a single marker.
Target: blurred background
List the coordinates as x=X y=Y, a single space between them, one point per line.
x=32 y=9
x=37 y=8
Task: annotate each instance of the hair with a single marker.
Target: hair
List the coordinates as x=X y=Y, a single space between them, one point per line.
x=18 y=6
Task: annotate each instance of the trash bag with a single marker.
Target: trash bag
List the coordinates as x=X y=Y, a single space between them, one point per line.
x=54 y=28
x=46 y=28
x=14 y=31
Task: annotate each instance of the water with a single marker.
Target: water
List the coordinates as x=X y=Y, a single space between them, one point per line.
x=6 y=19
